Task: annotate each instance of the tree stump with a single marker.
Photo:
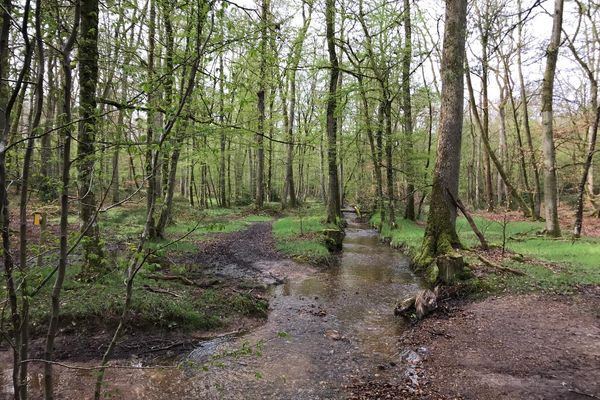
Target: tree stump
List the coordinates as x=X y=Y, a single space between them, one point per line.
x=450 y=266
x=333 y=239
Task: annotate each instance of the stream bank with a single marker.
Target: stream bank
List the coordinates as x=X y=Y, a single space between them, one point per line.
x=327 y=330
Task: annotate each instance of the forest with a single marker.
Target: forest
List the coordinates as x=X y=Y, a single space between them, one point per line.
x=308 y=199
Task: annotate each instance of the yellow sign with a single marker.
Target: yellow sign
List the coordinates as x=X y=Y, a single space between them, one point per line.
x=37 y=218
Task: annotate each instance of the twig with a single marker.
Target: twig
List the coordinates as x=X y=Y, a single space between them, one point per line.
x=591 y=396
x=161 y=291
x=96 y=367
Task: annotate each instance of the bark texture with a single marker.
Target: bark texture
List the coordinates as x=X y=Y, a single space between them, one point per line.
x=440 y=234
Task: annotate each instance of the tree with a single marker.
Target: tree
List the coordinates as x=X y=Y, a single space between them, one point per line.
x=440 y=234
x=409 y=212
x=296 y=53
x=260 y=153
x=550 y=180
x=86 y=138
x=333 y=198
x=588 y=68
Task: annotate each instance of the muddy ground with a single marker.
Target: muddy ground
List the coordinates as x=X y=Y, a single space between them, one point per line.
x=331 y=335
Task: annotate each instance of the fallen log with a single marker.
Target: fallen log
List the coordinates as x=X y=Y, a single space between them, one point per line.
x=499 y=267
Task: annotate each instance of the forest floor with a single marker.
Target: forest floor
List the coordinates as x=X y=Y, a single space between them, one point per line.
x=330 y=332
x=528 y=346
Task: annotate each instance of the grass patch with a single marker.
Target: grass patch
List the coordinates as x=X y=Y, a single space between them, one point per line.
x=408 y=235
x=552 y=265
x=299 y=235
x=99 y=303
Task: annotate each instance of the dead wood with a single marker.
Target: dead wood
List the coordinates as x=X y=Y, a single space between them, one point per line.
x=160 y=291
x=183 y=279
x=499 y=267
x=463 y=209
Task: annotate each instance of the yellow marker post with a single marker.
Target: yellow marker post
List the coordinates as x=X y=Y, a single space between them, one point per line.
x=39 y=219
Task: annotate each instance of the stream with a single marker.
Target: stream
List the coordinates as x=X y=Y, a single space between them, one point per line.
x=327 y=329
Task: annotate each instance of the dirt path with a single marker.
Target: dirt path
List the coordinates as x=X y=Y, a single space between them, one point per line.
x=514 y=347
x=247 y=256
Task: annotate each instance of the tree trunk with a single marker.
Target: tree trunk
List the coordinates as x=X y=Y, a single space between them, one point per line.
x=538 y=186
x=486 y=142
x=151 y=192
x=222 y=137
x=550 y=180
x=333 y=203
x=64 y=209
x=588 y=68
x=260 y=152
x=23 y=340
x=86 y=138
x=440 y=233
x=409 y=212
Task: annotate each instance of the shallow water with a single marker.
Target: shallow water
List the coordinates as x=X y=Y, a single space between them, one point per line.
x=326 y=329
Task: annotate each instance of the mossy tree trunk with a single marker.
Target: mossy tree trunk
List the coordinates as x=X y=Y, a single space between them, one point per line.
x=333 y=203
x=440 y=233
x=409 y=212
x=88 y=78
x=260 y=151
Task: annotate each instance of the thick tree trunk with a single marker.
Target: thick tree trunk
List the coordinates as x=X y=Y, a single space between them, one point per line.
x=550 y=180
x=440 y=233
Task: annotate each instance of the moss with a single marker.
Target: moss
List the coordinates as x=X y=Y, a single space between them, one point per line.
x=432 y=273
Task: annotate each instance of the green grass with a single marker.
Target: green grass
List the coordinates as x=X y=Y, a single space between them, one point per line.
x=551 y=265
x=407 y=235
x=299 y=235
x=99 y=303
x=95 y=303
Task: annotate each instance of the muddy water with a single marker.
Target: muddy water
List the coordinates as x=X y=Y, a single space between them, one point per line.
x=326 y=330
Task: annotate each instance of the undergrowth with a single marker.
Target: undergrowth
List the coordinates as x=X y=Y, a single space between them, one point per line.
x=550 y=265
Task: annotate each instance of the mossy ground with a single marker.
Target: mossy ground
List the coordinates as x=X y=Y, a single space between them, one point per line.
x=157 y=304
x=551 y=265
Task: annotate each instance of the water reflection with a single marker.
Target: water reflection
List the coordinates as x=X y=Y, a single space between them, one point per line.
x=362 y=289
